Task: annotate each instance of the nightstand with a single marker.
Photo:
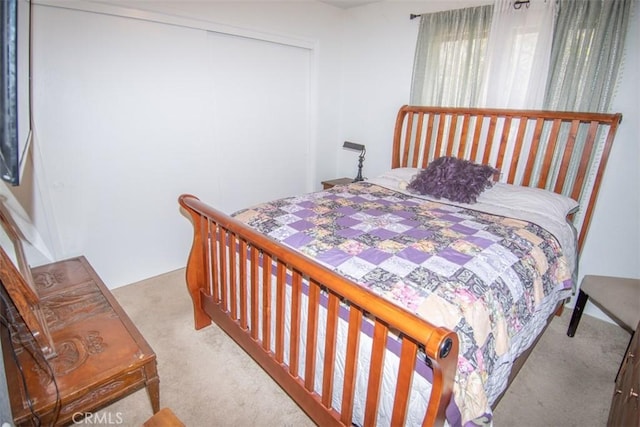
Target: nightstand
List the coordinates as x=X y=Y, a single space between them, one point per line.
x=333 y=182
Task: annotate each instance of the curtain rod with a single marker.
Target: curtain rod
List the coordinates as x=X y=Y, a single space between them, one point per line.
x=516 y=5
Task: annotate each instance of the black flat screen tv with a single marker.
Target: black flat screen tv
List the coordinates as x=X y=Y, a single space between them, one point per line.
x=15 y=84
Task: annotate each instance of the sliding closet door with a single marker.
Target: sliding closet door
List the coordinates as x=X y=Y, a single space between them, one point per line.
x=131 y=111
x=259 y=117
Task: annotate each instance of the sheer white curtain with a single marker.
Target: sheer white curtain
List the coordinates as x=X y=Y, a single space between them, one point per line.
x=518 y=54
x=449 y=65
x=587 y=54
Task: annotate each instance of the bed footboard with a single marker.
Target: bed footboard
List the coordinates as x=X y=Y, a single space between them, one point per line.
x=242 y=280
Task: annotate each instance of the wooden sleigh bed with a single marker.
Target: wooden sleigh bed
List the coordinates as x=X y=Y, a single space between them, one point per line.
x=321 y=321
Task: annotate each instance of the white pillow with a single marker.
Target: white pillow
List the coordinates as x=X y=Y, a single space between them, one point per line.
x=526 y=199
x=534 y=200
x=397 y=179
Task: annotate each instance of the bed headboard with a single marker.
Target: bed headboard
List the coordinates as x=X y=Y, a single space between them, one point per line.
x=564 y=152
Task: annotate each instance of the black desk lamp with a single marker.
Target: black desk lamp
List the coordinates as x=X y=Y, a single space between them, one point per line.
x=362 y=150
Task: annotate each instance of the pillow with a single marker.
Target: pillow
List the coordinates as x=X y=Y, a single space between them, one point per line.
x=528 y=199
x=396 y=179
x=454 y=179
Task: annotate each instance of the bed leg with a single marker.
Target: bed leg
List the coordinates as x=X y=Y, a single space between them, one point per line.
x=195 y=272
x=577 y=313
x=200 y=317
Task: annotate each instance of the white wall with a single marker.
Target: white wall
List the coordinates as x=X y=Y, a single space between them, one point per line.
x=359 y=72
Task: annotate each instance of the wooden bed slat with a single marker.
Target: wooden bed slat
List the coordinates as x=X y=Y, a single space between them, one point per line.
x=476 y=138
x=267 y=262
x=453 y=123
x=584 y=160
x=518 y=147
x=375 y=373
x=294 y=339
x=427 y=141
x=533 y=151
x=566 y=157
x=416 y=149
x=351 y=364
x=405 y=375
x=223 y=263
x=504 y=138
x=488 y=147
x=312 y=336
x=462 y=147
x=281 y=294
x=233 y=278
x=440 y=133
x=255 y=293
x=211 y=268
x=330 y=349
x=408 y=140
x=547 y=162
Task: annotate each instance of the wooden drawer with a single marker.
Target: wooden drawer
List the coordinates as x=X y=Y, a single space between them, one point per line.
x=625 y=404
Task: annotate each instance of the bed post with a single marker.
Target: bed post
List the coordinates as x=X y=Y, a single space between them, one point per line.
x=196 y=272
x=445 y=345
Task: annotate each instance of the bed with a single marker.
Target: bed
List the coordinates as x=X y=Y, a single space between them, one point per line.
x=371 y=304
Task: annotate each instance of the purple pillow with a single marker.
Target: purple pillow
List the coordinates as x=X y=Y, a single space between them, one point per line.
x=454 y=179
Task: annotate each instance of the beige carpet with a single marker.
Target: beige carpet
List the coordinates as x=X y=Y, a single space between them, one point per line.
x=208 y=381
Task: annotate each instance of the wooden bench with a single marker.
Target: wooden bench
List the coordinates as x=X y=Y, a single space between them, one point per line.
x=72 y=350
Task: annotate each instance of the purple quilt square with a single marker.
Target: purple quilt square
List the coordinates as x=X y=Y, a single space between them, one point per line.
x=405 y=214
x=413 y=255
x=304 y=213
x=333 y=257
x=479 y=241
x=306 y=204
x=410 y=222
x=346 y=210
x=374 y=256
x=454 y=256
x=298 y=240
x=347 y=221
x=349 y=232
x=382 y=233
x=451 y=218
x=374 y=212
x=301 y=225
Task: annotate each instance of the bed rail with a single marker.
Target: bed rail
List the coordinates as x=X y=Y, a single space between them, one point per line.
x=231 y=287
x=564 y=152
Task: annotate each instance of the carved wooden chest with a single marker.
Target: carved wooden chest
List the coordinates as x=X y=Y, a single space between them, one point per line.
x=100 y=356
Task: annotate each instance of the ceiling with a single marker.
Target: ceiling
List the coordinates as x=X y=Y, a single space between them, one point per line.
x=347 y=4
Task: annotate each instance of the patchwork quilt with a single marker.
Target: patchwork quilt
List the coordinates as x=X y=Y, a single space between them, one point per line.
x=484 y=276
